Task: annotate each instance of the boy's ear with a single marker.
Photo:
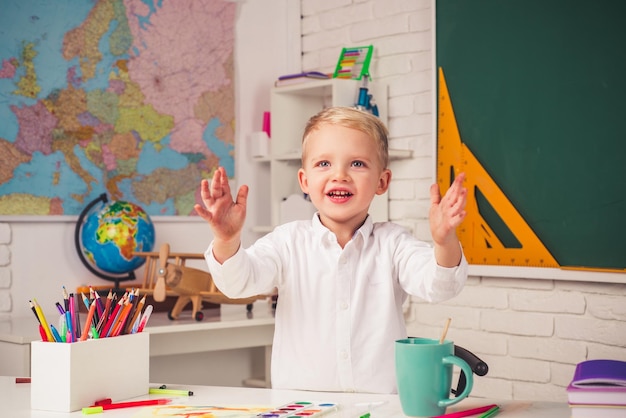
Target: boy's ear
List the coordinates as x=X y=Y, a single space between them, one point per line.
x=383 y=181
x=304 y=184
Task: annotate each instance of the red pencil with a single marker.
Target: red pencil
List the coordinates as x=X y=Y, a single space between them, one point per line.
x=112 y=318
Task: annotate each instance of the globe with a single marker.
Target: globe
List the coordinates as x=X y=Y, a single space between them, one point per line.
x=107 y=239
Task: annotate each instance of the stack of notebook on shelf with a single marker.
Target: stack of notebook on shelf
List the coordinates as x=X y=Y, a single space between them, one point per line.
x=598 y=389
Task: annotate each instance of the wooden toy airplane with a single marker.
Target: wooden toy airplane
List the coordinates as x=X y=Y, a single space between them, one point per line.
x=163 y=278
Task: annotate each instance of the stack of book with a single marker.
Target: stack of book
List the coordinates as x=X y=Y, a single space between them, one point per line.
x=598 y=389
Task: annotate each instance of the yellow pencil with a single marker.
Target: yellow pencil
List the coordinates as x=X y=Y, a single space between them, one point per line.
x=42 y=319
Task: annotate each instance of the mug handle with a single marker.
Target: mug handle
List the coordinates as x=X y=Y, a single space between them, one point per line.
x=462 y=364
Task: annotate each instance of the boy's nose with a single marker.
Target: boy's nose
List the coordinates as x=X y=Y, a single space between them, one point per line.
x=341 y=174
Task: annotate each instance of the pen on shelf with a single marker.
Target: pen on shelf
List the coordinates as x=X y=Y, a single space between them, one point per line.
x=22 y=380
x=145 y=318
x=106 y=406
x=490 y=413
x=467 y=412
x=177 y=392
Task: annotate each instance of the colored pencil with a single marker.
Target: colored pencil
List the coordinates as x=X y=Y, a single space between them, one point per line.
x=88 y=324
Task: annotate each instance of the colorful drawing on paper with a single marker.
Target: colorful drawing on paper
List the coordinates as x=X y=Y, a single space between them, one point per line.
x=134 y=98
x=290 y=410
x=200 y=411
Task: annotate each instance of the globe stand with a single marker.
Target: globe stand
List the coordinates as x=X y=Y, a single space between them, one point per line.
x=77 y=243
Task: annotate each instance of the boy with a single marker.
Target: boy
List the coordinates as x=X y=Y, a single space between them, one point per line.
x=341 y=279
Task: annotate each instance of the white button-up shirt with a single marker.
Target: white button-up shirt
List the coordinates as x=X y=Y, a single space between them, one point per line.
x=339 y=311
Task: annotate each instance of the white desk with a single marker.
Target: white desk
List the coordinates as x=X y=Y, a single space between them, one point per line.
x=228 y=328
x=15 y=402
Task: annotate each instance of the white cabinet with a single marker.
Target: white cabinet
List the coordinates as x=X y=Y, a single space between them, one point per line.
x=291 y=107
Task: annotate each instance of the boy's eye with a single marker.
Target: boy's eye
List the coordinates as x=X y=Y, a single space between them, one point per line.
x=358 y=164
x=323 y=164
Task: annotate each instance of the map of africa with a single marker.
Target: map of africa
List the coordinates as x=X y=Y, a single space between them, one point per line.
x=133 y=98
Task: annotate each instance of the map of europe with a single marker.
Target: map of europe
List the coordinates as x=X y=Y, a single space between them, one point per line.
x=132 y=98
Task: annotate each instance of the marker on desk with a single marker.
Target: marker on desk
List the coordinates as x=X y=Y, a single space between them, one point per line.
x=468 y=412
x=177 y=392
x=103 y=407
x=490 y=413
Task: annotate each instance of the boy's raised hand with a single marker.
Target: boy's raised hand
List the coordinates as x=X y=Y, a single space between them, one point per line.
x=224 y=216
x=446 y=214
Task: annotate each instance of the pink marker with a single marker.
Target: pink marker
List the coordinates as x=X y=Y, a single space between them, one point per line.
x=144 y=318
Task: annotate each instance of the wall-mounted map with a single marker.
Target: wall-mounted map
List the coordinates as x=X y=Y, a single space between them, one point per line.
x=133 y=98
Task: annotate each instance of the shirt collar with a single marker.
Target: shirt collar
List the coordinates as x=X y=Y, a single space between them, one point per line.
x=322 y=232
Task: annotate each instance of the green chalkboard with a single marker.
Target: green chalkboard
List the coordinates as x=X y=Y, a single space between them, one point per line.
x=538 y=89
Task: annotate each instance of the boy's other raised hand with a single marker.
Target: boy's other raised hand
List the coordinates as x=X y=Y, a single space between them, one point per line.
x=224 y=216
x=447 y=212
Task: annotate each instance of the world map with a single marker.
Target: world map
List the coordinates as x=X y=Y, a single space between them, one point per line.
x=132 y=98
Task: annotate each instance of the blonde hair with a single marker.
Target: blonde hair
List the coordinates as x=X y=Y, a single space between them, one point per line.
x=353 y=118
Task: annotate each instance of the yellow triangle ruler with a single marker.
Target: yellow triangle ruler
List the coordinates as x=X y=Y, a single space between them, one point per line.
x=480 y=243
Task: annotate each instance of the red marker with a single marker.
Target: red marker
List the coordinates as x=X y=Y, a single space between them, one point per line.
x=468 y=412
x=104 y=406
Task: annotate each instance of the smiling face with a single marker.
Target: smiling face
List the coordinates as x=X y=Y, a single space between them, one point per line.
x=342 y=172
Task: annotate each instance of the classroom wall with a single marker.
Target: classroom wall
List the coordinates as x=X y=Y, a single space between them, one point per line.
x=531 y=332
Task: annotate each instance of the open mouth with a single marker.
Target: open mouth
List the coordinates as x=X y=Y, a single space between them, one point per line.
x=339 y=194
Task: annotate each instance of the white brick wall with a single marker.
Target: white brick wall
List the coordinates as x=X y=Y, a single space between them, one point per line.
x=530 y=332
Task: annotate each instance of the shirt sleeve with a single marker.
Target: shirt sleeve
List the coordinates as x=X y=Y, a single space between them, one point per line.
x=244 y=274
x=421 y=276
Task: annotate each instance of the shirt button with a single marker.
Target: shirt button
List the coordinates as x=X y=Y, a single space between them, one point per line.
x=344 y=305
x=344 y=354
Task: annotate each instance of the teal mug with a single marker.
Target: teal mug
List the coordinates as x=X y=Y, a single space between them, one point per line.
x=424 y=376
